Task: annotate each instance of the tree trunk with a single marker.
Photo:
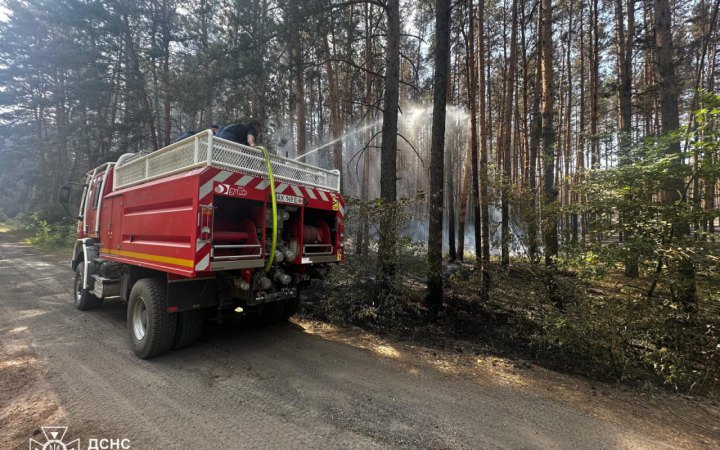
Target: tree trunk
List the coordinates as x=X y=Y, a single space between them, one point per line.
x=594 y=84
x=462 y=216
x=298 y=72
x=138 y=79
x=363 y=246
x=507 y=139
x=335 y=117
x=473 y=107
x=567 y=157
x=450 y=200
x=577 y=222
x=437 y=150
x=624 y=41
x=388 y=149
x=535 y=135
x=623 y=46
x=548 y=135
x=482 y=209
x=684 y=280
x=168 y=15
x=462 y=213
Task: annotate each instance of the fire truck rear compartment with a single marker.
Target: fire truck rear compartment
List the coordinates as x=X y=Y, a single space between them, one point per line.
x=240 y=226
x=237 y=229
x=318 y=232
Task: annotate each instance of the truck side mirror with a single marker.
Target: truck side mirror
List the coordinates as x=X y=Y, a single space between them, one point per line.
x=64 y=198
x=64 y=195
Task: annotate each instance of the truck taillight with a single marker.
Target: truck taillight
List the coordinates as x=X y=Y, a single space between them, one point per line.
x=205 y=221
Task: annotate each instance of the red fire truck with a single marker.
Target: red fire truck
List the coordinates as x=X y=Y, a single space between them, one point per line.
x=200 y=229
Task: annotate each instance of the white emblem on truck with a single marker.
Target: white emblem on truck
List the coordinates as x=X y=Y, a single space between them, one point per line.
x=226 y=189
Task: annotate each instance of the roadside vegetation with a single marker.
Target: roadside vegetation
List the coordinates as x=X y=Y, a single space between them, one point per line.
x=607 y=328
x=44 y=230
x=585 y=313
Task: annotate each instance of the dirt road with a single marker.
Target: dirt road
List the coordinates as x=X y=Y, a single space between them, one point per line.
x=287 y=386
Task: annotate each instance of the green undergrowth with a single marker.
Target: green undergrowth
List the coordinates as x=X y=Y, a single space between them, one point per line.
x=37 y=229
x=607 y=327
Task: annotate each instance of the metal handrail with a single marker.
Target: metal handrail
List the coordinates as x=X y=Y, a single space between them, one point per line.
x=192 y=145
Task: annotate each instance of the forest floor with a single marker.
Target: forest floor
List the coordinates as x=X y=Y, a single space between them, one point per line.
x=301 y=384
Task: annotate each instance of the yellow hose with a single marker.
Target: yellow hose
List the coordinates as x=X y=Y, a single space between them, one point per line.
x=266 y=154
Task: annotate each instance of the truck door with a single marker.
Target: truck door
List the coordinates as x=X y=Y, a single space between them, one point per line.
x=110 y=235
x=92 y=200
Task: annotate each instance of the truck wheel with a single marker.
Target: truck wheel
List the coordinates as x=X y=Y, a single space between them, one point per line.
x=84 y=299
x=151 y=327
x=189 y=328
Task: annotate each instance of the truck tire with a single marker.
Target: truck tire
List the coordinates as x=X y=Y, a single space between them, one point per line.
x=84 y=299
x=151 y=327
x=189 y=328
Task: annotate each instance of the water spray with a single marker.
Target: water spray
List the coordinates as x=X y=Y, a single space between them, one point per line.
x=350 y=133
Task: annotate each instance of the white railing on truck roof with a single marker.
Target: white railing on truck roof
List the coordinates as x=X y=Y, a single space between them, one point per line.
x=204 y=149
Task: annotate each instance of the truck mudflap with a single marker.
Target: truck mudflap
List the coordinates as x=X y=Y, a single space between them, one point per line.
x=191 y=294
x=84 y=252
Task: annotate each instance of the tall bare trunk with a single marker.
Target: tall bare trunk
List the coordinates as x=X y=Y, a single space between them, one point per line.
x=363 y=246
x=548 y=134
x=624 y=41
x=482 y=209
x=577 y=222
x=684 y=279
x=462 y=215
x=388 y=163
x=594 y=84
x=388 y=148
x=450 y=201
x=623 y=44
x=138 y=79
x=298 y=74
x=472 y=72
x=507 y=139
x=437 y=150
x=335 y=116
x=567 y=157
x=535 y=131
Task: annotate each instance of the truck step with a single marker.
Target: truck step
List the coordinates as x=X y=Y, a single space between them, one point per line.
x=106 y=287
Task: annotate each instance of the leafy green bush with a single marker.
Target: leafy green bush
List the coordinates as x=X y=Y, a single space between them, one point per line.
x=632 y=338
x=360 y=291
x=664 y=321
x=48 y=235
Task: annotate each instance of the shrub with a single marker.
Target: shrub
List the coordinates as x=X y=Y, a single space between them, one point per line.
x=631 y=338
x=361 y=291
x=48 y=235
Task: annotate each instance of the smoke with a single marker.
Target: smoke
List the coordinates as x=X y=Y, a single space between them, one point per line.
x=362 y=140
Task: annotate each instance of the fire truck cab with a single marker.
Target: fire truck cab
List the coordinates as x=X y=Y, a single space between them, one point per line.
x=202 y=228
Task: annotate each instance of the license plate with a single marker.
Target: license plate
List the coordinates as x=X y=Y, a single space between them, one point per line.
x=289 y=199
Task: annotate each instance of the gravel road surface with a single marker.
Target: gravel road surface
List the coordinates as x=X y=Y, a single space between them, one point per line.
x=249 y=387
